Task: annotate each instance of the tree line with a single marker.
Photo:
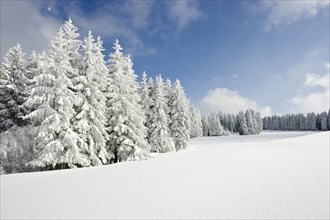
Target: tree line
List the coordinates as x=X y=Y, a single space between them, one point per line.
x=298 y=122
x=243 y=123
x=68 y=108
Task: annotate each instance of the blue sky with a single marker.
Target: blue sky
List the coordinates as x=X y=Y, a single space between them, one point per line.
x=269 y=55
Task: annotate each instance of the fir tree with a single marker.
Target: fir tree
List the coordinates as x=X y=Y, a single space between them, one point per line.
x=127 y=133
x=13 y=83
x=179 y=117
x=159 y=133
x=241 y=124
x=90 y=119
x=216 y=128
x=196 y=123
x=205 y=126
x=53 y=98
x=145 y=94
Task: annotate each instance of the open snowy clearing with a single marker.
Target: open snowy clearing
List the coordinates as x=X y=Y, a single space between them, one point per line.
x=279 y=175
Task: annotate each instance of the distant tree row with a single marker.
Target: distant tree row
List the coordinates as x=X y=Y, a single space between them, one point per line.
x=298 y=122
x=243 y=123
x=69 y=108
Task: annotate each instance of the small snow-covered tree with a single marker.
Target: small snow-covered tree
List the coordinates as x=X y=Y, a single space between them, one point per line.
x=89 y=121
x=127 y=133
x=13 y=83
x=53 y=99
x=159 y=133
x=179 y=117
x=16 y=149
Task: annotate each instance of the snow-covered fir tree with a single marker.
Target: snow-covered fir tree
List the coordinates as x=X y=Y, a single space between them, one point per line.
x=250 y=121
x=196 y=129
x=127 y=133
x=159 y=133
x=167 y=95
x=241 y=124
x=13 y=83
x=258 y=121
x=179 y=117
x=53 y=99
x=215 y=128
x=311 y=121
x=205 y=126
x=323 y=121
x=89 y=121
x=146 y=101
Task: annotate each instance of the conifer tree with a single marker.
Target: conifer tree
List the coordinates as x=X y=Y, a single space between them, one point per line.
x=127 y=133
x=241 y=124
x=145 y=93
x=179 y=117
x=205 y=126
x=196 y=123
x=216 y=128
x=53 y=98
x=159 y=133
x=13 y=83
x=90 y=119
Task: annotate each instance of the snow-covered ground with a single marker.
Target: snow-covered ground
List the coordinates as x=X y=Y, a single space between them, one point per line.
x=279 y=175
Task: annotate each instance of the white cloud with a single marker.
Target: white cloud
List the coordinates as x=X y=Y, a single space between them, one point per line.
x=312 y=79
x=284 y=13
x=229 y=101
x=184 y=12
x=327 y=67
x=314 y=101
x=21 y=21
x=235 y=75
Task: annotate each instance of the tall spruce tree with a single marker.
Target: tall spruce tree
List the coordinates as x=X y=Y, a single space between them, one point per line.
x=179 y=117
x=90 y=119
x=127 y=133
x=159 y=133
x=53 y=98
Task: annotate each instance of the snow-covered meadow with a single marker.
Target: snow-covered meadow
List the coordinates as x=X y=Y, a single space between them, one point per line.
x=274 y=175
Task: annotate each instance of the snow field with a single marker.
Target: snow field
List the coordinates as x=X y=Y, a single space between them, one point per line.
x=275 y=175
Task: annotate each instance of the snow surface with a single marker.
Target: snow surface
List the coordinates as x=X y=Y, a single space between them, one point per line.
x=275 y=175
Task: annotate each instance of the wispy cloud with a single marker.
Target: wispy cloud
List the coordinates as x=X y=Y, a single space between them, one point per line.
x=118 y=21
x=284 y=13
x=317 y=80
x=184 y=12
x=24 y=22
x=229 y=101
x=314 y=101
